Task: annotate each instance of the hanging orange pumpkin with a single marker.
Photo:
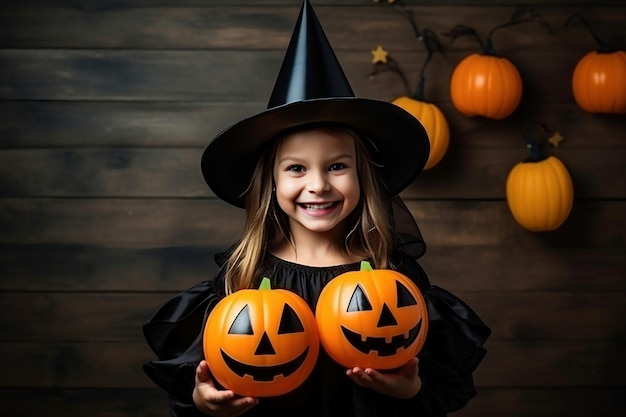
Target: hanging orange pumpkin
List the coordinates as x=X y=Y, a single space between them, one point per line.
x=435 y=123
x=261 y=343
x=486 y=85
x=599 y=78
x=372 y=318
x=539 y=191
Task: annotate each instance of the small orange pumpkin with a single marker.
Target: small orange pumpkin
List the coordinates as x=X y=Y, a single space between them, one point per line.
x=539 y=191
x=599 y=78
x=599 y=82
x=435 y=123
x=486 y=85
x=261 y=343
x=372 y=318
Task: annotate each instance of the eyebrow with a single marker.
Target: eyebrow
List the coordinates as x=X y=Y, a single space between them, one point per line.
x=333 y=158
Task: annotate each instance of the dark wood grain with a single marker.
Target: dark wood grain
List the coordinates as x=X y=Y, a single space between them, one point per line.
x=106 y=107
x=115 y=317
x=78 y=125
x=154 y=223
x=465 y=173
x=241 y=76
x=85 y=268
x=267 y=27
x=151 y=402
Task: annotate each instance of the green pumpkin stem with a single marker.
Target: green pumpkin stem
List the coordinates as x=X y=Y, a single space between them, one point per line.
x=366 y=266
x=266 y=284
x=603 y=47
x=534 y=144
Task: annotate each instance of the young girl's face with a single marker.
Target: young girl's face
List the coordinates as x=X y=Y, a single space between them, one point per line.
x=315 y=174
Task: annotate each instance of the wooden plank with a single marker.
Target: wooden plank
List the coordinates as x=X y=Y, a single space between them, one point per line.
x=105 y=5
x=154 y=223
x=118 y=365
x=115 y=317
x=81 y=268
x=54 y=402
x=270 y=27
x=187 y=124
x=542 y=402
x=471 y=173
x=512 y=402
x=119 y=124
x=240 y=76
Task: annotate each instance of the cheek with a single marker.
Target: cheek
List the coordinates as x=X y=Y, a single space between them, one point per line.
x=350 y=189
x=287 y=190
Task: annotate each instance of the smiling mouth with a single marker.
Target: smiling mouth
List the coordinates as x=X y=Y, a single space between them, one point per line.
x=317 y=207
x=264 y=373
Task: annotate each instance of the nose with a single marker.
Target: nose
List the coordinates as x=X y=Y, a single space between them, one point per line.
x=318 y=182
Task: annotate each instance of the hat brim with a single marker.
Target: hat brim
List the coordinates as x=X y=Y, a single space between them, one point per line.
x=229 y=160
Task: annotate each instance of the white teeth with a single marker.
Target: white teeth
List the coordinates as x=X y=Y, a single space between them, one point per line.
x=317 y=206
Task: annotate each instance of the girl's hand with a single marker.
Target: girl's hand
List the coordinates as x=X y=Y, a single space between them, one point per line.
x=403 y=383
x=214 y=402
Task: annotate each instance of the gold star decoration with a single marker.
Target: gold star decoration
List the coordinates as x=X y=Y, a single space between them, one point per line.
x=555 y=139
x=379 y=55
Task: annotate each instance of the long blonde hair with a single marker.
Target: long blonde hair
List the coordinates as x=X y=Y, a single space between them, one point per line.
x=368 y=228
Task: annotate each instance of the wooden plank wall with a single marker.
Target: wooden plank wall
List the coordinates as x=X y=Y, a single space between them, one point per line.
x=105 y=107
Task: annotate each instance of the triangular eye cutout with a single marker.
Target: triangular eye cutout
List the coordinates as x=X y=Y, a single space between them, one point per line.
x=242 y=324
x=405 y=298
x=359 y=301
x=289 y=321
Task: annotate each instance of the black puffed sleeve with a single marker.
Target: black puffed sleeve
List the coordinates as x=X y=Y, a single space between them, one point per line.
x=174 y=333
x=453 y=350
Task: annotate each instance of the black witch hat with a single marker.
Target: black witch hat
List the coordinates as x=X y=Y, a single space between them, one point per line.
x=312 y=88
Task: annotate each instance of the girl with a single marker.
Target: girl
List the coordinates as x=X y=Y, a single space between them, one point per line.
x=318 y=174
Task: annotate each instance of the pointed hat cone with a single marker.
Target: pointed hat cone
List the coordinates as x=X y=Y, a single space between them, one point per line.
x=310 y=68
x=312 y=88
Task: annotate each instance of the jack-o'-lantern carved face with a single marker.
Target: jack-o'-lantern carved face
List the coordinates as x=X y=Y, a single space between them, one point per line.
x=372 y=318
x=261 y=343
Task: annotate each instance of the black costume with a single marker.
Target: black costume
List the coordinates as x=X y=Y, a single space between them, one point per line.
x=312 y=89
x=452 y=351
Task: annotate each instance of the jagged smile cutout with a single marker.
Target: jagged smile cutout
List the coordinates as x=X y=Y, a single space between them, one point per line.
x=379 y=344
x=264 y=373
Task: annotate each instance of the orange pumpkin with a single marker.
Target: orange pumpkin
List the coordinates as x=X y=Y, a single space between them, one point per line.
x=261 y=343
x=372 y=318
x=486 y=85
x=539 y=192
x=599 y=78
x=599 y=82
x=434 y=122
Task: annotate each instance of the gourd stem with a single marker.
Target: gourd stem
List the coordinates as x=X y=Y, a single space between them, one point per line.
x=408 y=15
x=534 y=145
x=602 y=46
x=366 y=266
x=432 y=45
x=266 y=284
x=489 y=48
x=392 y=65
x=419 y=91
